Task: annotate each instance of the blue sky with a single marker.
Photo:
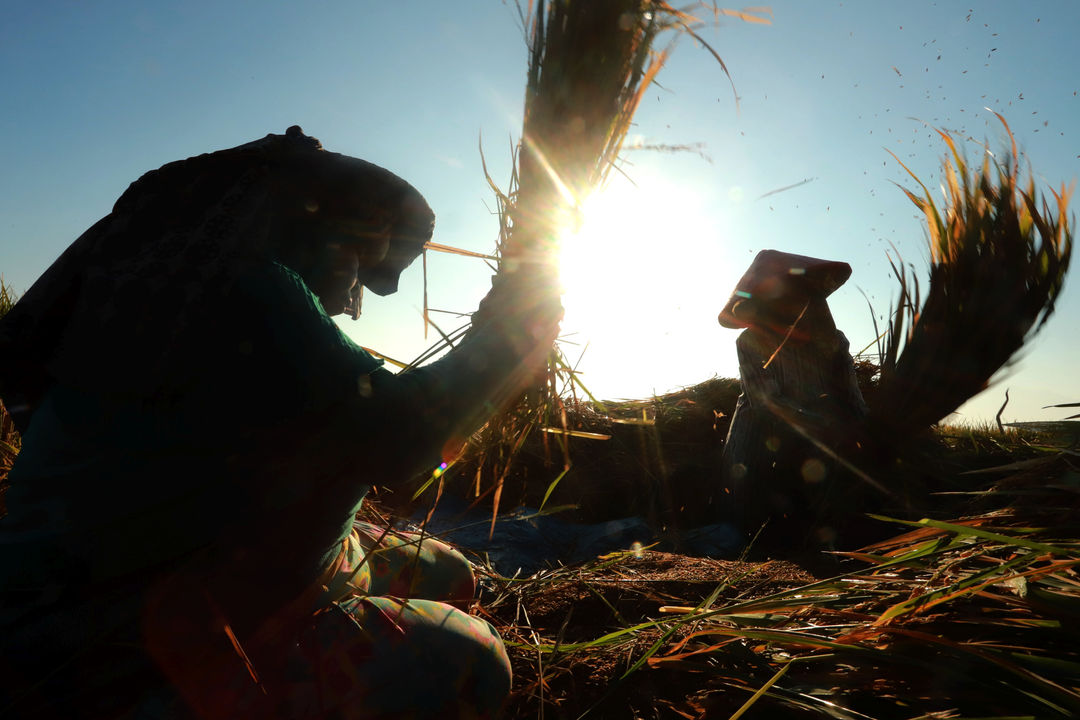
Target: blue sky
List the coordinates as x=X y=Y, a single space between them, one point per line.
x=95 y=94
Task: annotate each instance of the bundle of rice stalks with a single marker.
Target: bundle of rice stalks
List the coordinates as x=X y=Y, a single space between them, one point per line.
x=589 y=64
x=999 y=253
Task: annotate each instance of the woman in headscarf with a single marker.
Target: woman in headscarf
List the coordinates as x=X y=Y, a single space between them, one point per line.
x=198 y=435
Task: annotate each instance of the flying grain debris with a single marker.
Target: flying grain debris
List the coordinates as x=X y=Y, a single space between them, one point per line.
x=787 y=187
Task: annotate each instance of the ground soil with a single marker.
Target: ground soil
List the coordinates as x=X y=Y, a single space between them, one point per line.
x=574 y=606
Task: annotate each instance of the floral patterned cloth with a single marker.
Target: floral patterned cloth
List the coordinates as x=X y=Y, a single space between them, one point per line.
x=391 y=644
x=385 y=642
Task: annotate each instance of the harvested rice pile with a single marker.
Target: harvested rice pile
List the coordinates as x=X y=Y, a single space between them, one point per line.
x=978 y=617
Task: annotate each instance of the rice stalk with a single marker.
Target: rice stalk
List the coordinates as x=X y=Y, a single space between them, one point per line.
x=8 y=297
x=1068 y=405
x=999 y=251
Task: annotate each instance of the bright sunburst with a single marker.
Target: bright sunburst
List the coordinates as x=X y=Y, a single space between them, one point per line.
x=644 y=278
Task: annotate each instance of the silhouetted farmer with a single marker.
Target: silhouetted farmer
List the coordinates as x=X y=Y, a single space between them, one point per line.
x=198 y=435
x=799 y=398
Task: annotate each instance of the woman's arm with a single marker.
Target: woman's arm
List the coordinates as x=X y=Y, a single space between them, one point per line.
x=375 y=426
x=512 y=332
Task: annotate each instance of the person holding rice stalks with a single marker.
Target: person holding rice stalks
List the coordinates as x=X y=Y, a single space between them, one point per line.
x=800 y=410
x=999 y=253
x=199 y=434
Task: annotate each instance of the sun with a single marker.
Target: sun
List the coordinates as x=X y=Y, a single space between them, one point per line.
x=644 y=277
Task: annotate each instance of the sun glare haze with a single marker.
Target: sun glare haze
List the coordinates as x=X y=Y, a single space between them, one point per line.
x=644 y=276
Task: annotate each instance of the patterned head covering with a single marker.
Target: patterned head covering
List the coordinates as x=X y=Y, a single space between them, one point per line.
x=113 y=311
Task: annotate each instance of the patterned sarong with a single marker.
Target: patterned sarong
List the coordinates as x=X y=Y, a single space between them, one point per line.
x=390 y=644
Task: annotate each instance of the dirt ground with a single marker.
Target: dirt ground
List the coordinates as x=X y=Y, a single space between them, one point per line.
x=579 y=605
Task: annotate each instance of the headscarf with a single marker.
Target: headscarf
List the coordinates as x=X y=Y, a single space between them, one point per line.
x=116 y=312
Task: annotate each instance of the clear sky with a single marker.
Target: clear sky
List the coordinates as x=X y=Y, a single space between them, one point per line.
x=95 y=94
